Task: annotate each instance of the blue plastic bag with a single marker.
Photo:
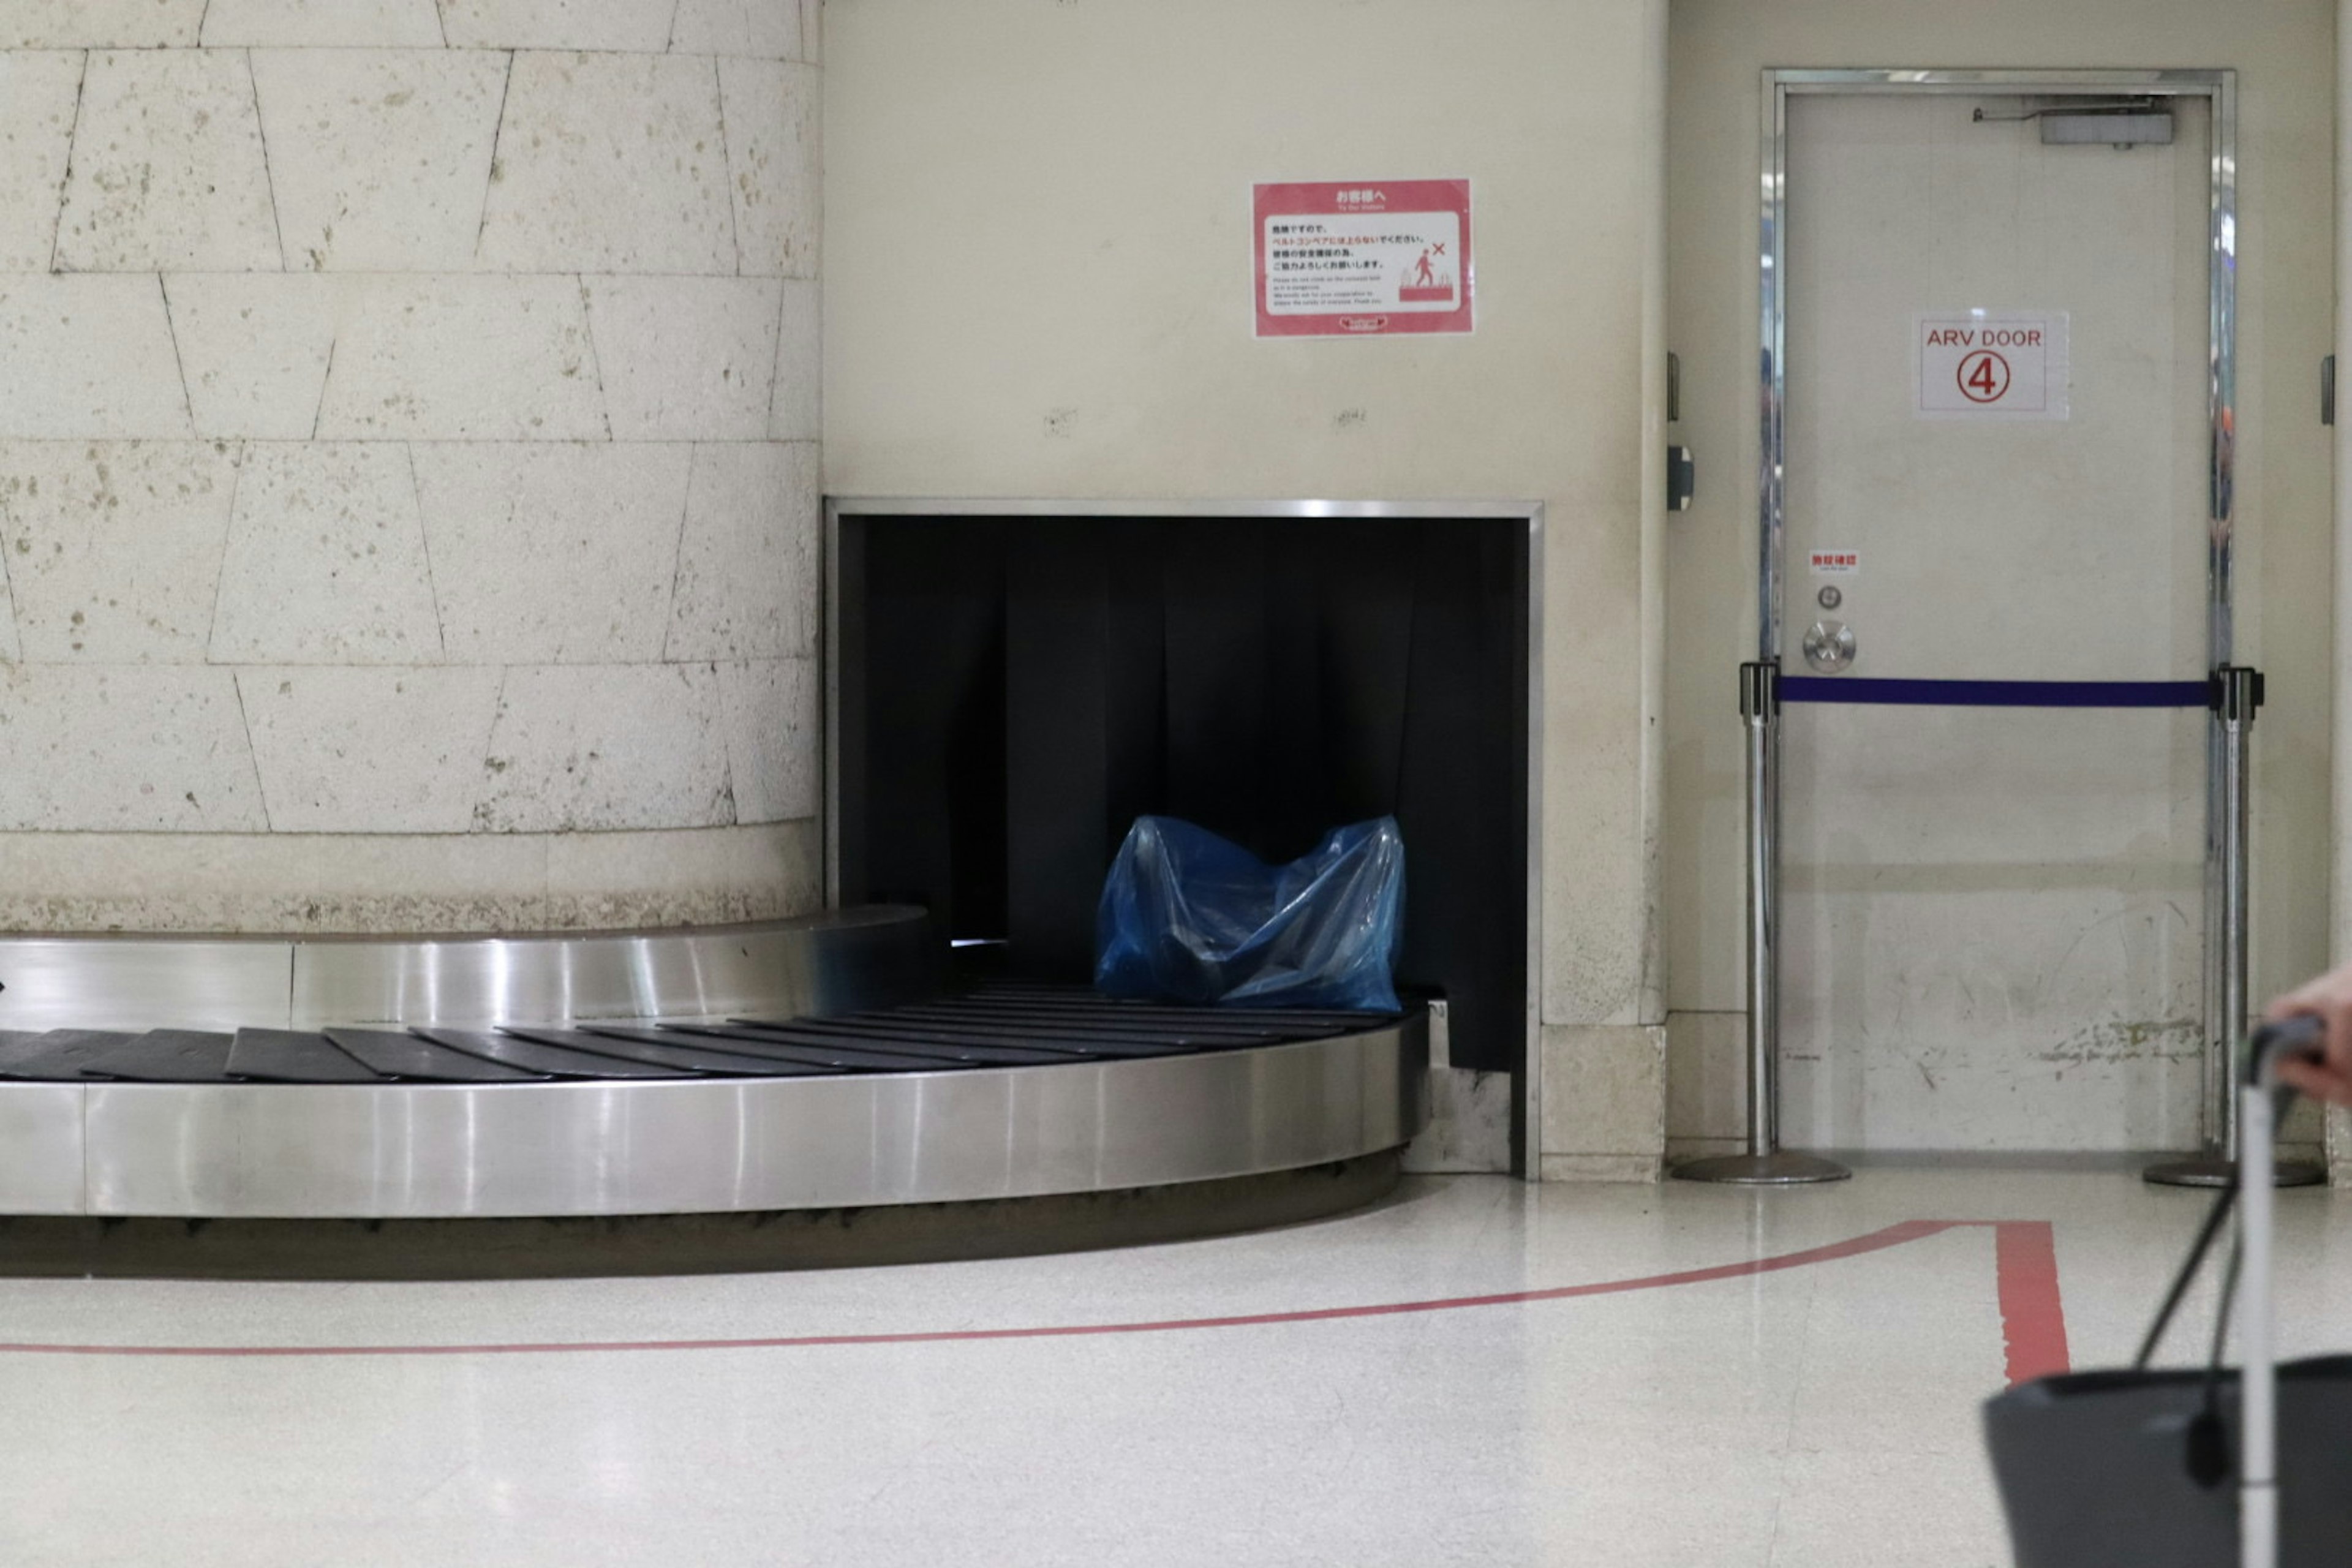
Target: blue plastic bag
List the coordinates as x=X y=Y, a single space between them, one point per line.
x=1189 y=917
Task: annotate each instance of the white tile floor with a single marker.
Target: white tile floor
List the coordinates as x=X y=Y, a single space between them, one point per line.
x=1812 y=1418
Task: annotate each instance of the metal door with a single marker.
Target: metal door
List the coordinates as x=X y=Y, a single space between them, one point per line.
x=1993 y=919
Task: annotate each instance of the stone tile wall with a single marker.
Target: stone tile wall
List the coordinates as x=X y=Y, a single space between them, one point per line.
x=408 y=480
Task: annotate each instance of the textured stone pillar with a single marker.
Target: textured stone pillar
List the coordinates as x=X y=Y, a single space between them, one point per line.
x=408 y=467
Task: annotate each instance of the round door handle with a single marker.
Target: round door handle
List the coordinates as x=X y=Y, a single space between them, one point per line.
x=1829 y=646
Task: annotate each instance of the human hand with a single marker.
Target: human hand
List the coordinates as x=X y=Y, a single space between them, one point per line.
x=2329 y=999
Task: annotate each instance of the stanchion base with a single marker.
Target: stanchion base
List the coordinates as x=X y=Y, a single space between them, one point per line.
x=1782 y=1168
x=2210 y=1171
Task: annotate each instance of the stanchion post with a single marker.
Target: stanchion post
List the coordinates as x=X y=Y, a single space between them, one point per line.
x=1760 y=714
x=2240 y=696
x=1765 y=1164
x=2236 y=697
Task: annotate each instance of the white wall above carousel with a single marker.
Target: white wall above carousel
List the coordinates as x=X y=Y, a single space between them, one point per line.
x=408 y=480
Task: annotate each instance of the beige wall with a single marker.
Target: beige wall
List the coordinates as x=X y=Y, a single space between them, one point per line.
x=1038 y=260
x=2284 y=51
x=407 y=463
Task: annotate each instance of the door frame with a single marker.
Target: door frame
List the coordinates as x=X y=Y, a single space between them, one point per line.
x=2226 y=990
x=2219 y=88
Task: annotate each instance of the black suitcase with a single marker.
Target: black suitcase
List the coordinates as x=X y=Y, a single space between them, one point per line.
x=2095 y=1469
x=2141 y=1469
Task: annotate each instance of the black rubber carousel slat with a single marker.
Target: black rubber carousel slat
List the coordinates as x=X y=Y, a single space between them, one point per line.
x=1199 y=1018
x=712 y=1036
x=1079 y=1000
x=1073 y=1040
x=660 y=1042
x=294 y=1056
x=884 y=1025
x=1089 y=1042
x=674 y=1051
x=406 y=1056
x=59 y=1055
x=1105 y=1041
x=1086 y=996
x=167 y=1055
x=967 y=1053
x=878 y=1057
x=561 y=1061
x=1260 y=1020
x=1246 y=1033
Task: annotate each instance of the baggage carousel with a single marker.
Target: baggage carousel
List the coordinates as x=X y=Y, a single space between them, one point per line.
x=797 y=1066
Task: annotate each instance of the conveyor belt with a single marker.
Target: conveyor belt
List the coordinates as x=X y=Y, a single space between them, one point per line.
x=999 y=1027
x=1003 y=1093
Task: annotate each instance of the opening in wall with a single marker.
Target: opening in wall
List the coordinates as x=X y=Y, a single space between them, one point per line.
x=1011 y=688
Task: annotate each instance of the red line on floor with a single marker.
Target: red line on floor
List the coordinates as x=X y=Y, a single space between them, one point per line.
x=2033 y=1314
x=2030 y=1311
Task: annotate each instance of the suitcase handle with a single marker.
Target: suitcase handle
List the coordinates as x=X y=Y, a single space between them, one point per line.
x=2260 y=1107
x=2304 y=1036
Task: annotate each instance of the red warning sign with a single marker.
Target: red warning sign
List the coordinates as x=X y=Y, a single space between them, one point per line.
x=1363 y=257
x=2007 y=363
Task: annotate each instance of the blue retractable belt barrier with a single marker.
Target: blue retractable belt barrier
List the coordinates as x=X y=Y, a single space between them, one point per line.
x=2000 y=694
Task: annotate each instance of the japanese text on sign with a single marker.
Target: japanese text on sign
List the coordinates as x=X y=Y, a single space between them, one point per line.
x=1363 y=257
x=1999 y=364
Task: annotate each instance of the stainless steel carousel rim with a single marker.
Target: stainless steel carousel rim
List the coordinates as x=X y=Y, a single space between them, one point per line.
x=792 y=1065
x=452 y=1151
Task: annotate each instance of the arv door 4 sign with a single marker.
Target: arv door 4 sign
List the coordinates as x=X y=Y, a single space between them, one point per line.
x=1363 y=258
x=2000 y=364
